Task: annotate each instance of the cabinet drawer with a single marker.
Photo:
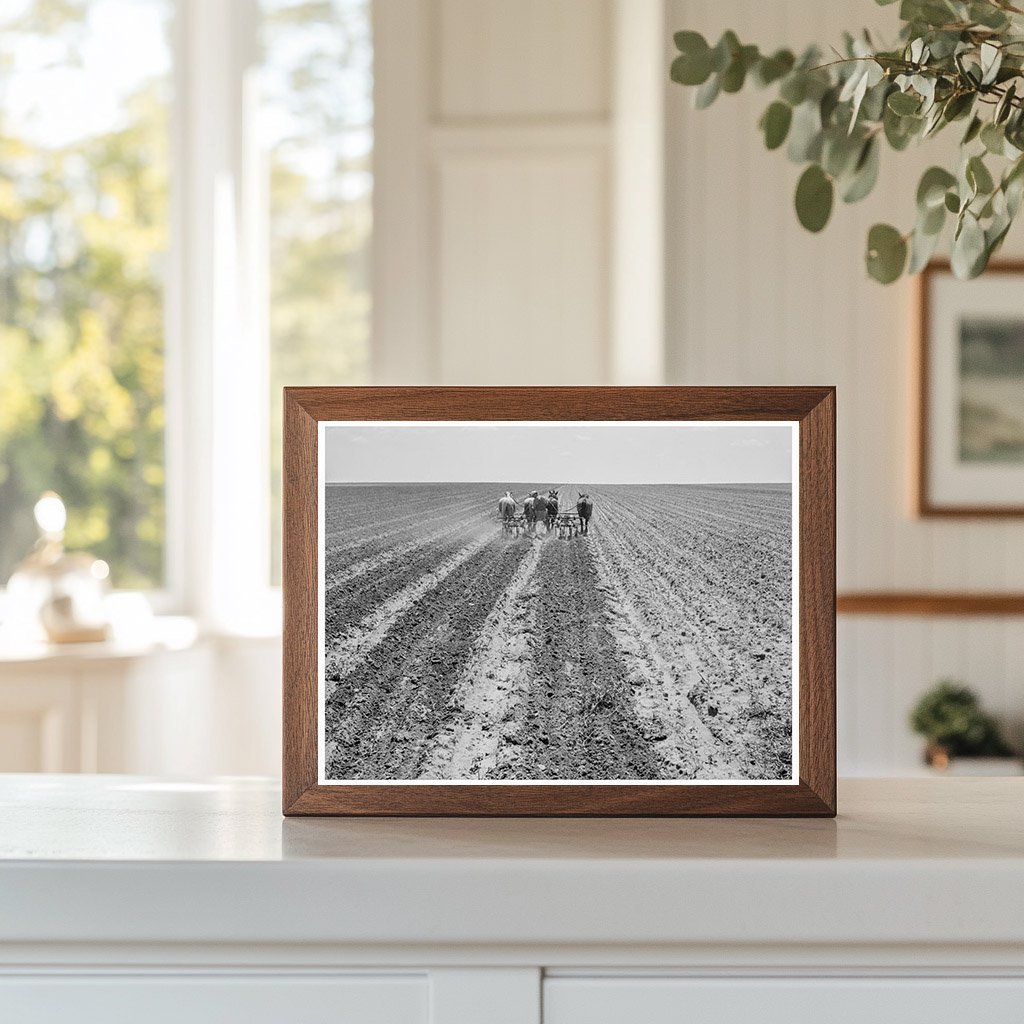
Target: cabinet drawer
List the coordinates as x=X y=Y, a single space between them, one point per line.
x=202 y=999
x=782 y=1001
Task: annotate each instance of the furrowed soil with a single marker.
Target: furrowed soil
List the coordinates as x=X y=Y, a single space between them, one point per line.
x=657 y=647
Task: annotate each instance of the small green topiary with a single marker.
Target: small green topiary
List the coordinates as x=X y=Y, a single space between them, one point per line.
x=950 y=717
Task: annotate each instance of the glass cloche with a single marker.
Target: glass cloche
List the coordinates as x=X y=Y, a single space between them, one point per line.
x=56 y=595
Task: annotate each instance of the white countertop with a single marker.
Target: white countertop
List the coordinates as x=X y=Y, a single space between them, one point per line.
x=121 y=859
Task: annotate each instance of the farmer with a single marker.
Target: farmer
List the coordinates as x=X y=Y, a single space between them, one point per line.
x=530 y=507
x=584 y=509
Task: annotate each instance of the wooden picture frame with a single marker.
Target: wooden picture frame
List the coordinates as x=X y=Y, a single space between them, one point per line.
x=811 y=410
x=926 y=503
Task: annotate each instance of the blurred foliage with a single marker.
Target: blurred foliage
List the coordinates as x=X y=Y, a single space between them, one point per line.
x=318 y=82
x=82 y=242
x=82 y=230
x=950 y=717
x=957 y=61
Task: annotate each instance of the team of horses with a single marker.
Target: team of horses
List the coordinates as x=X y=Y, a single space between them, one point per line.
x=543 y=510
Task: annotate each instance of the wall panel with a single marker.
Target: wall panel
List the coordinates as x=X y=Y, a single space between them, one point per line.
x=531 y=58
x=519 y=243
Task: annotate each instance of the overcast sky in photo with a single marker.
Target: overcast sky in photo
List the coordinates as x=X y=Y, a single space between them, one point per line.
x=582 y=452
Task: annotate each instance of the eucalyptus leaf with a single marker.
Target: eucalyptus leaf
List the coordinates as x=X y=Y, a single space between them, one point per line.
x=724 y=51
x=933 y=122
x=735 y=74
x=1013 y=186
x=968 y=248
x=973 y=130
x=931 y=190
x=707 y=93
x=775 y=124
x=978 y=176
x=932 y=221
x=991 y=60
x=1014 y=192
x=987 y=15
x=873 y=106
x=840 y=152
x=993 y=138
x=805 y=133
x=904 y=103
x=865 y=173
x=688 y=69
x=958 y=105
x=922 y=247
x=814 y=195
x=930 y=12
x=771 y=69
x=886 y=253
x=1005 y=105
x=900 y=130
x=794 y=88
x=827 y=106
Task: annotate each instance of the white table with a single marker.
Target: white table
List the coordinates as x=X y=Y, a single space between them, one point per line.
x=132 y=898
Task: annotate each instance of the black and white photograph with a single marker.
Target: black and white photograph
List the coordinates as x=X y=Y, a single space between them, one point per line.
x=569 y=601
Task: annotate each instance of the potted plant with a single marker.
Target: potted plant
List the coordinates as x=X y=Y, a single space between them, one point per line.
x=950 y=718
x=956 y=62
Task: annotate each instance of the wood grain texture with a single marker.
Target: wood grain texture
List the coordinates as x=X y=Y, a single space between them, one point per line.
x=813 y=408
x=925 y=603
x=299 y=597
x=923 y=503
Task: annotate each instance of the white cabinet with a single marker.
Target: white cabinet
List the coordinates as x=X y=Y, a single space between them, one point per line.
x=203 y=999
x=650 y=1000
x=126 y=899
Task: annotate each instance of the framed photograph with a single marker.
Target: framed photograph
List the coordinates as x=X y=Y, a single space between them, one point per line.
x=559 y=601
x=970 y=450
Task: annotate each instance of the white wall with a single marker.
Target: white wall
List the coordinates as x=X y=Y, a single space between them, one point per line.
x=754 y=299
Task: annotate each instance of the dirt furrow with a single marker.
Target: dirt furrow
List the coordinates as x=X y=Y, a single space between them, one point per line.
x=386 y=711
x=364 y=524
x=661 y=691
x=744 y=665
x=357 y=638
x=576 y=719
x=340 y=572
x=492 y=682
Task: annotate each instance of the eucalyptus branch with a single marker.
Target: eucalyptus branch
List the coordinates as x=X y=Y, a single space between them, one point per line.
x=955 y=61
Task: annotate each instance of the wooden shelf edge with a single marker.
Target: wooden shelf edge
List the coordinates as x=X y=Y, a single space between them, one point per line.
x=928 y=603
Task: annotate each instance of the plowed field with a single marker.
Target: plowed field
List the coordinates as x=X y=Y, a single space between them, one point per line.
x=657 y=647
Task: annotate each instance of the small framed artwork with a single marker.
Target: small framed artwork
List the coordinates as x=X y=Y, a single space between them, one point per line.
x=559 y=601
x=970 y=445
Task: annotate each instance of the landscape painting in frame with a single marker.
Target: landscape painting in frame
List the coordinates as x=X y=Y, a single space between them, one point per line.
x=972 y=393
x=545 y=602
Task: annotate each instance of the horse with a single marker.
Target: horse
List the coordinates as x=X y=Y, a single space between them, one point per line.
x=584 y=509
x=507 y=506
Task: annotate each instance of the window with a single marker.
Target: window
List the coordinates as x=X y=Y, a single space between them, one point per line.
x=317 y=116
x=145 y=182
x=83 y=235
